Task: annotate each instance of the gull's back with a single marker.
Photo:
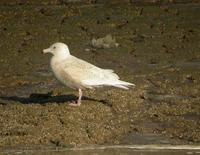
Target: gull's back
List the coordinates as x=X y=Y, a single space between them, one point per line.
x=77 y=73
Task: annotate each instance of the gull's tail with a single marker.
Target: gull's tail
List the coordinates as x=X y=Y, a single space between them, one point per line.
x=122 y=84
x=113 y=80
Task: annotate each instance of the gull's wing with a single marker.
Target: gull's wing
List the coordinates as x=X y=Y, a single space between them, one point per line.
x=87 y=74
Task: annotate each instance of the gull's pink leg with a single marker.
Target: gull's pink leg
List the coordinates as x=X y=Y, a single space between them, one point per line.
x=80 y=93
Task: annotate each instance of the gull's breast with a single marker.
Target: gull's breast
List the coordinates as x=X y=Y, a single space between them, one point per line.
x=62 y=76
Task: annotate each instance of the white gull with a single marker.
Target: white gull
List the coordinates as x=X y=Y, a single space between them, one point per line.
x=79 y=74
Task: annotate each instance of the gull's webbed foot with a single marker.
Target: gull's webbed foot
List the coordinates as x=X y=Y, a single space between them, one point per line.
x=75 y=104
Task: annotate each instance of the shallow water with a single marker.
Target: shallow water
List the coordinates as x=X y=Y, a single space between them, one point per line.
x=113 y=150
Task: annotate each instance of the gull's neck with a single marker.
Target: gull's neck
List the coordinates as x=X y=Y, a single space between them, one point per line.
x=62 y=54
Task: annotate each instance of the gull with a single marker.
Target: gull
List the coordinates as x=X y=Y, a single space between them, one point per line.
x=79 y=74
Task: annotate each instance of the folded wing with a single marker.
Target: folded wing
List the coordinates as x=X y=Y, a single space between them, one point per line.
x=88 y=75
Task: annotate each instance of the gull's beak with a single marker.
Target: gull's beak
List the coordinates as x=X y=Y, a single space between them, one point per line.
x=48 y=50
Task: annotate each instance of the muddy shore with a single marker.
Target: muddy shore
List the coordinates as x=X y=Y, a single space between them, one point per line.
x=159 y=51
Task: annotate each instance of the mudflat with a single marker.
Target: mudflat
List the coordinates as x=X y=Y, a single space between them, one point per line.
x=159 y=51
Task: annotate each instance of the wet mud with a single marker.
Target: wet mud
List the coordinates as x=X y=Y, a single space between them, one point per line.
x=159 y=51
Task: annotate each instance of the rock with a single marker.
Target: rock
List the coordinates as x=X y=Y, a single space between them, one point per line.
x=106 y=42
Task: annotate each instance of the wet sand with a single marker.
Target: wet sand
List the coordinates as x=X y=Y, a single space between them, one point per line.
x=158 y=51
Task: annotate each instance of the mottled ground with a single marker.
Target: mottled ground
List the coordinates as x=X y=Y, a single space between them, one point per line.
x=159 y=51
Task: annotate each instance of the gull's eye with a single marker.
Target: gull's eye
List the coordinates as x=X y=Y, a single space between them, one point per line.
x=54 y=47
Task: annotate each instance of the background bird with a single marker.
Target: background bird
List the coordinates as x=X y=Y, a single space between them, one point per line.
x=79 y=74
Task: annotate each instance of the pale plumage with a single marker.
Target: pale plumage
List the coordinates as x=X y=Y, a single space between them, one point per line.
x=79 y=74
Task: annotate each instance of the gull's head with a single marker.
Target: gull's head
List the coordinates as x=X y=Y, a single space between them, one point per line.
x=58 y=50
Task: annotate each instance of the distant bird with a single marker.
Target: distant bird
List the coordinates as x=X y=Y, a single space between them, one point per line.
x=79 y=74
